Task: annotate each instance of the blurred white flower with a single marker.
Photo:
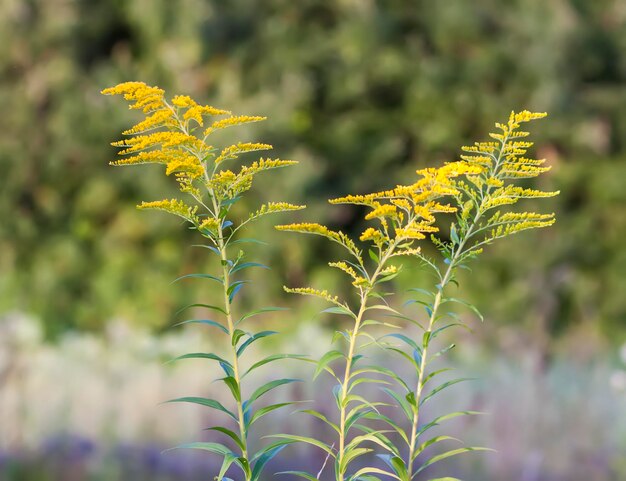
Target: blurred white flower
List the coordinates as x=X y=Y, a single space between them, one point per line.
x=19 y=330
x=618 y=381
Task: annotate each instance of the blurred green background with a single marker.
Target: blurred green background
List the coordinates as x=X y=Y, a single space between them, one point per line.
x=362 y=93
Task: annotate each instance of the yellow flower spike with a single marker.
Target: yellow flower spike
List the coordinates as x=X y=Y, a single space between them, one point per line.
x=382 y=210
x=183 y=101
x=275 y=207
x=264 y=164
x=233 y=151
x=232 y=121
x=160 y=118
x=345 y=268
x=373 y=235
x=145 y=97
x=322 y=294
x=197 y=113
x=187 y=164
x=321 y=230
x=173 y=206
x=210 y=224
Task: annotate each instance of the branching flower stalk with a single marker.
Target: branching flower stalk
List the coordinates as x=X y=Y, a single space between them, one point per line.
x=502 y=161
x=474 y=186
x=405 y=215
x=173 y=133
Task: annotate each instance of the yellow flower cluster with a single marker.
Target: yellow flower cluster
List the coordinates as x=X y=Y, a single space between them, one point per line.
x=510 y=194
x=309 y=291
x=411 y=208
x=275 y=207
x=169 y=135
x=144 y=97
x=342 y=266
x=210 y=224
x=185 y=164
x=173 y=206
x=232 y=121
x=233 y=151
x=373 y=235
x=160 y=118
x=318 y=229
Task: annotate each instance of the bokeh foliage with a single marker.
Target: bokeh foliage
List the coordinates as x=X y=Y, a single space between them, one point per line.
x=362 y=92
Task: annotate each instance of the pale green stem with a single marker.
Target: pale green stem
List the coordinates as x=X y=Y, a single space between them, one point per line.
x=433 y=316
x=231 y=329
x=351 y=351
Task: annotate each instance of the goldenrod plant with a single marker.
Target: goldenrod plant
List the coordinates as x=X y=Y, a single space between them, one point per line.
x=177 y=133
x=476 y=190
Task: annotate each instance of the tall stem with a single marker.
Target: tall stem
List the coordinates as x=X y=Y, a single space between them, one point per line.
x=437 y=303
x=231 y=330
x=345 y=387
x=423 y=362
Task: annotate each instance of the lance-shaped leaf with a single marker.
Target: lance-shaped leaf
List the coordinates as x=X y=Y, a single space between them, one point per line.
x=211 y=403
x=252 y=338
x=207 y=322
x=448 y=454
x=265 y=388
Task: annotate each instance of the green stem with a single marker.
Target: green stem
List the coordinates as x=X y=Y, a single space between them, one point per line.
x=345 y=387
x=422 y=368
x=454 y=258
x=231 y=330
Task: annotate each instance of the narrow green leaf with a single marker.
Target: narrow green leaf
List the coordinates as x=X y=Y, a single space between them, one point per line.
x=339 y=310
x=211 y=248
x=300 y=474
x=350 y=455
x=404 y=405
x=369 y=470
x=442 y=418
x=234 y=288
x=212 y=403
x=201 y=355
x=233 y=386
x=320 y=416
x=277 y=357
x=261 y=311
x=253 y=338
x=291 y=438
x=237 y=334
x=228 y=460
x=397 y=428
x=410 y=342
x=229 y=433
x=447 y=478
x=208 y=322
x=263 y=460
x=466 y=304
x=247 y=241
x=399 y=468
x=448 y=454
x=265 y=388
x=421 y=291
x=259 y=413
x=325 y=360
x=199 y=276
x=216 y=448
x=431 y=442
x=247 y=265
x=206 y=306
x=442 y=387
x=435 y=373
